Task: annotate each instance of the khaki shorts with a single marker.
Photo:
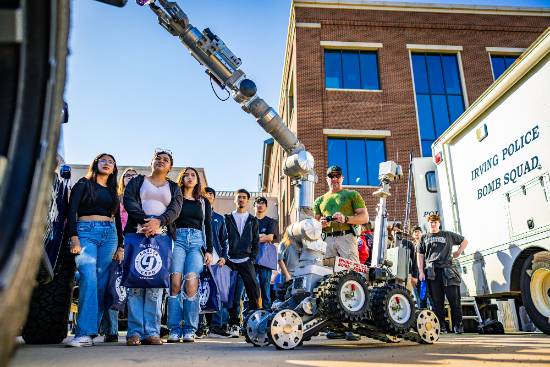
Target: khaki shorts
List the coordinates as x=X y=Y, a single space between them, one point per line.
x=344 y=246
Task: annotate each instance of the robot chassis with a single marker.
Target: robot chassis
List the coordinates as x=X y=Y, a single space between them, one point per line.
x=343 y=295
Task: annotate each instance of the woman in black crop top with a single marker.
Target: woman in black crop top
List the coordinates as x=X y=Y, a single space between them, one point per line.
x=95 y=230
x=193 y=236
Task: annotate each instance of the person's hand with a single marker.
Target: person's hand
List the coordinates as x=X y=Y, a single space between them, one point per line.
x=119 y=254
x=456 y=254
x=221 y=262
x=414 y=282
x=151 y=226
x=288 y=278
x=75 y=245
x=421 y=276
x=339 y=217
x=324 y=223
x=207 y=258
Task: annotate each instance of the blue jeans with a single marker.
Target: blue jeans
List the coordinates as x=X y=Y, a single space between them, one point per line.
x=109 y=322
x=144 y=311
x=187 y=260
x=236 y=311
x=98 y=241
x=264 y=278
x=220 y=319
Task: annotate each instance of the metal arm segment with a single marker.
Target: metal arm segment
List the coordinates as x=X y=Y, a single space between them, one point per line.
x=223 y=67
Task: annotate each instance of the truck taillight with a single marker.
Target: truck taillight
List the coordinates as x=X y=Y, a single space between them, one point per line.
x=438 y=158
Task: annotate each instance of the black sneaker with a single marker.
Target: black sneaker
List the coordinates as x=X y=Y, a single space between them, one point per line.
x=219 y=333
x=459 y=329
x=110 y=339
x=336 y=335
x=352 y=337
x=201 y=332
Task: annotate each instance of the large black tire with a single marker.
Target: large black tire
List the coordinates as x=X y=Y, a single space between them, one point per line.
x=541 y=321
x=33 y=70
x=380 y=309
x=47 y=321
x=330 y=303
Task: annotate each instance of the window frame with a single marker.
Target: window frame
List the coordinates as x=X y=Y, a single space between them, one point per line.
x=359 y=51
x=345 y=169
x=439 y=50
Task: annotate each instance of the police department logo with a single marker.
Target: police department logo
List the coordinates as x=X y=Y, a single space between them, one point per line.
x=120 y=290
x=148 y=262
x=204 y=293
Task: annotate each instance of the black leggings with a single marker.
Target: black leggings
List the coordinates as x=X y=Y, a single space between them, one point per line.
x=438 y=291
x=247 y=272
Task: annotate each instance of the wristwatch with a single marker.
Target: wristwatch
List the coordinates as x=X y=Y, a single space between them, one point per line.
x=346 y=218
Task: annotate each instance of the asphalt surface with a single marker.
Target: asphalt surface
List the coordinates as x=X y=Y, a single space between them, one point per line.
x=465 y=350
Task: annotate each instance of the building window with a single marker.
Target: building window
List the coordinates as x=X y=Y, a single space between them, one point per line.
x=351 y=69
x=439 y=98
x=500 y=63
x=359 y=159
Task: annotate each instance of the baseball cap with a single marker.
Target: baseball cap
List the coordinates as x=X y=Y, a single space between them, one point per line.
x=417 y=228
x=334 y=169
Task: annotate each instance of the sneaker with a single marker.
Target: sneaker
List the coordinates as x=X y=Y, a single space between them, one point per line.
x=459 y=329
x=80 y=341
x=234 y=331
x=110 y=339
x=173 y=338
x=352 y=337
x=188 y=337
x=201 y=332
x=152 y=340
x=336 y=335
x=219 y=333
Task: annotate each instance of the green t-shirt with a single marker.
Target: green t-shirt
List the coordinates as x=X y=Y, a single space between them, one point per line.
x=344 y=201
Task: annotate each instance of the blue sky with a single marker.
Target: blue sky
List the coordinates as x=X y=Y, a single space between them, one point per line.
x=132 y=87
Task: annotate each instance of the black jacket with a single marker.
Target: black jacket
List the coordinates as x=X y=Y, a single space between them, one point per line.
x=245 y=245
x=219 y=235
x=136 y=215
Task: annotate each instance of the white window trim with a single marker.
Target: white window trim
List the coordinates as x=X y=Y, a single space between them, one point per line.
x=505 y=50
x=434 y=48
x=351 y=133
x=462 y=80
x=502 y=51
x=308 y=25
x=351 y=45
x=354 y=90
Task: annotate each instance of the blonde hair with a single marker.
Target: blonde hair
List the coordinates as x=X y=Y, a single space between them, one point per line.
x=121 y=186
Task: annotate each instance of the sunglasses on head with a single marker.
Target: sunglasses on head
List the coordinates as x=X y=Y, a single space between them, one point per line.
x=162 y=150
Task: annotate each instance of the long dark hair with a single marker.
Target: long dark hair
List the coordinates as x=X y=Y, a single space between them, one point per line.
x=197 y=190
x=112 y=184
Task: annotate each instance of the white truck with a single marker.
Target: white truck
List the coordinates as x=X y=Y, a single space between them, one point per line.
x=492 y=168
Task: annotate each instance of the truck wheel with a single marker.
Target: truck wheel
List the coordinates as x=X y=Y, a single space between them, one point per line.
x=392 y=309
x=32 y=63
x=344 y=296
x=535 y=289
x=48 y=319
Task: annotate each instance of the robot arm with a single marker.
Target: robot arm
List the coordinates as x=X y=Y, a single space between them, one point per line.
x=224 y=68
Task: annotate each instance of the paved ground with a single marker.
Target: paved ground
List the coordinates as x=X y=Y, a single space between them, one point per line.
x=467 y=350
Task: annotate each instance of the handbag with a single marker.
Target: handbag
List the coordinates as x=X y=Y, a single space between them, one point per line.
x=147 y=261
x=115 y=295
x=208 y=292
x=267 y=256
x=222 y=277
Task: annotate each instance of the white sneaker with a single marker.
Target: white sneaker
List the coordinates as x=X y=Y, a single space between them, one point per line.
x=80 y=341
x=188 y=338
x=173 y=338
x=234 y=331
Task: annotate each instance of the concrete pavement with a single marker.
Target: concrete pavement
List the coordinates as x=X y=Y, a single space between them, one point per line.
x=532 y=350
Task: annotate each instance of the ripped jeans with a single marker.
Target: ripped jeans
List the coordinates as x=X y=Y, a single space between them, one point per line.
x=187 y=259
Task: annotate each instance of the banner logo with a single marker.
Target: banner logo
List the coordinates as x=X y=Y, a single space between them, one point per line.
x=148 y=262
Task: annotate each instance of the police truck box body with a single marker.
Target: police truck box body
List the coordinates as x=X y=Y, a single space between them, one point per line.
x=493 y=174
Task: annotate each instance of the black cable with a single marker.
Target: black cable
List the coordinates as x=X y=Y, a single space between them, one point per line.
x=216 y=94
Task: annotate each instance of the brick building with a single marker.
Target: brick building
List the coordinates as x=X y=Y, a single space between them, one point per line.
x=365 y=82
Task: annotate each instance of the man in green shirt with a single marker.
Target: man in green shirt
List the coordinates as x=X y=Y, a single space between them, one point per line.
x=347 y=208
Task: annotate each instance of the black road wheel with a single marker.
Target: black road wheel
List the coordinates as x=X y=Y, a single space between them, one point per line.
x=392 y=309
x=47 y=321
x=535 y=289
x=343 y=296
x=32 y=63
